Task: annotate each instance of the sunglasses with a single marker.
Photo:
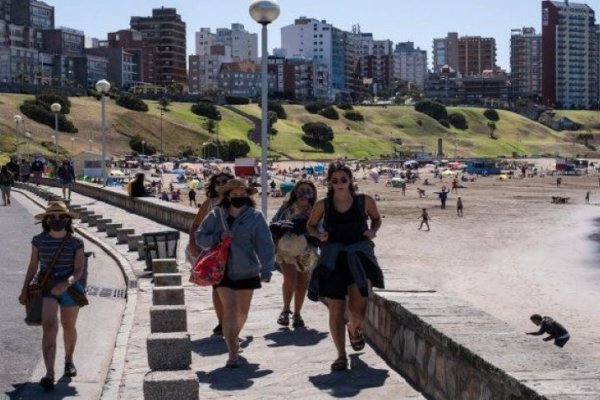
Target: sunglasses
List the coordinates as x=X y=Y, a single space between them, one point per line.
x=221 y=181
x=60 y=216
x=342 y=180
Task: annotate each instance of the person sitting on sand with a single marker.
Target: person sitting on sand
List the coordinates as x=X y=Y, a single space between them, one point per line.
x=551 y=327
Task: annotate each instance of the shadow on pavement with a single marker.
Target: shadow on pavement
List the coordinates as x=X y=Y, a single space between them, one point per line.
x=215 y=345
x=233 y=378
x=31 y=390
x=297 y=337
x=351 y=382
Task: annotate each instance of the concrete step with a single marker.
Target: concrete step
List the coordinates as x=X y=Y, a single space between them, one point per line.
x=93 y=218
x=101 y=224
x=169 y=351
x=169 y=385
x=168 y=296
x=111 y=229
x=85 y=215
x=123 y=233
x=165 y=319
x=167 y=280
x=164 y=266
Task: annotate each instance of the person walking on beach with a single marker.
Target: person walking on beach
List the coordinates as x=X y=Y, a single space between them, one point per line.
x=193 y=250
x=424 y=219
x=347 y=266
x=251 y=256
x=192 y=197
x=66 y=174
x=459 y=207
x=57 y=236
x=293 y=253
x=404 y=188
x=558 y=181
x=587 y=197
x=443 y=197
x=551 y=327
x=37 y=168
x=6 y=182
x=454 y=185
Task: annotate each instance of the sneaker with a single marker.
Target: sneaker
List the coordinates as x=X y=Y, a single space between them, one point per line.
x=297 y=321
x=70 y=370
x=47 y=383
x=218 y=330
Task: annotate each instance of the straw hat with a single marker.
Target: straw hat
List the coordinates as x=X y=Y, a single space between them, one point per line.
x=56 y=208
x=236 y=184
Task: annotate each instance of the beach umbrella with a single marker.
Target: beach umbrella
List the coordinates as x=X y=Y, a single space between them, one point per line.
x=286 y=186
x=117 y=172
x=447 y=173
x=178 y=171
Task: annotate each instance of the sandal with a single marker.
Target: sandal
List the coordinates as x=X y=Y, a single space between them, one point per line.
x=233 y=363
x=47 y=382
x=341 y=364
x=284 y=318
x=356 y=341
x=297 y=321
x=218 y=330
x=70 y=370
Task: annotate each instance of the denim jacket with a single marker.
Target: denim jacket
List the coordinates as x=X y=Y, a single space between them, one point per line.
x=251 y=252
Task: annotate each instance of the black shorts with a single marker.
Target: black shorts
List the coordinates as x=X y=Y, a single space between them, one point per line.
x=334 y=285
x=242 y=284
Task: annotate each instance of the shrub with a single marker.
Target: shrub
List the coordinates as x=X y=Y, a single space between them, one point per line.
x=131 y=102
x=314 y=107
x=353 y=115
x=40 y=112
x=444 y=122
x=318 y=131
x=491 y=114
x=135 y=143
x=276 y=107
x=329 y=112
x=432 y=108
x=346 y=106
x=458 y=121
x=237 y=148
x=205 y=109
x=228 y=150
x=51 y=97
x=237 y=100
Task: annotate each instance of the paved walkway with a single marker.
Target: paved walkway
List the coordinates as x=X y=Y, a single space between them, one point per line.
x=279 y=362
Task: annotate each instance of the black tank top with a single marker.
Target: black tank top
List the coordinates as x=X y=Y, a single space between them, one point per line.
x=347 y=227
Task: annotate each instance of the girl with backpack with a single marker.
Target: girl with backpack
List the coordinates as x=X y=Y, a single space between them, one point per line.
x=347 y=267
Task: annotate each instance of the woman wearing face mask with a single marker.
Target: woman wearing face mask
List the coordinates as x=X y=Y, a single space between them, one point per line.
x=347 y=267
x=295 y=256
x=56 y=223
x=250 y=256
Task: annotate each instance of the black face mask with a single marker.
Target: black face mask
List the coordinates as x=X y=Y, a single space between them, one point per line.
x=239 y=202
x=58 y=225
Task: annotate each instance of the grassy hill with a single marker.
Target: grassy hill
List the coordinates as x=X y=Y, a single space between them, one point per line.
x=181 y=129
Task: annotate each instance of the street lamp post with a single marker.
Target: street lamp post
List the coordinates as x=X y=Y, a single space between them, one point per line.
x=72 y=146
x=264 y=12
x=103 y=86
x=56 y=107
x=143 y=147
x=28 y=136
x=18 y=119
x=161 y=133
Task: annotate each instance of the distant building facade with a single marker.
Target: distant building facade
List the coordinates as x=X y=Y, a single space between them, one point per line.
x=204 y=68
x=243 y=45
x=476 y=54
x=525 y=63
x=410 y=64
x=445 y=52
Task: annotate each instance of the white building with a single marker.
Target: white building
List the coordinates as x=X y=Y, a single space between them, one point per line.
x=309 y=39
x=203 y=69
x=243 y=44
x=410 y=64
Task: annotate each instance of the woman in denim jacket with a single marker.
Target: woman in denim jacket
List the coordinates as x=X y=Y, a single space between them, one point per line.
x=251 y=256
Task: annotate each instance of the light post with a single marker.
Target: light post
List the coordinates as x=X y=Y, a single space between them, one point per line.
x=18 y=119
x=55 y=140
x=28 y=136
x=264 y=12
x=72 y=146
x=103 y=86
x=143 y=147
x=90 y=144
x=56 y=107
x=161 y=133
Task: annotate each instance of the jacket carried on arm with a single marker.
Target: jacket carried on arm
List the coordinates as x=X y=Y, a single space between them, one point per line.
x=251 y=252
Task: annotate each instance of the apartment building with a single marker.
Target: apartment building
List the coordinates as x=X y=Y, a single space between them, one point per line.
x=164 y=45
x=476 y=54
x=204 y=68
x=243 y=78
x=410 y=64
x=243 y=44
x=445 y=52
x=569 y=55
x=525 y=63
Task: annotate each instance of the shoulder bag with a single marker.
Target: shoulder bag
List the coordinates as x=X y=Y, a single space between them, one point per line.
x=210 y=268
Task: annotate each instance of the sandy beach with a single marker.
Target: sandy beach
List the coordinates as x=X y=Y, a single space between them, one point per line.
x=514 y=253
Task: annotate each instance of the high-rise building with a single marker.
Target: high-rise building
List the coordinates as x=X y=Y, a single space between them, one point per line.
x=164 y=41
x=204 y=68
x=243 y=44
x=33 y=13
x=525 y=63
x=569 y=55
x=410 y=64
x=125 y=51
x=476 y=54
x=445 y=52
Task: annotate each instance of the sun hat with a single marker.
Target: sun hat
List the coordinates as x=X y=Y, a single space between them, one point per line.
x=56 y=208
x=236 y=184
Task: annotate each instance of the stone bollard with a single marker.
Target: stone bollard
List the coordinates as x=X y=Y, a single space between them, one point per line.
x=169 y=351
x=101 y=224
x=111 y=229
x=167 y=280
x=93 y=218
x=122 y=234
x=164 y=266
x=141 y=250
x=166 y=319
x=168 y=385
x=168 y=296
x=132 y=242
x=77 y=209
x=84 y=215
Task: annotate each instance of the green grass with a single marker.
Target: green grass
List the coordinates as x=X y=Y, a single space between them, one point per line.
x=590 y=120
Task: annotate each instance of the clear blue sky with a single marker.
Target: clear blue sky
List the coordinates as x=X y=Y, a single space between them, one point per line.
x=399 y=20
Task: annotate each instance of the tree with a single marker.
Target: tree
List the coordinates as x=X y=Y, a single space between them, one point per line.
x=492 y=126
x=354 y=115
x=207 y=110
x=491 y=114
x=329 y=112
x=272 y=121
x=432 y=108
x=164 y=103
x=458 y=121
x=132 y=102
x=586 y=137
x=318 y=131
x=211 y=125
x=238 y=148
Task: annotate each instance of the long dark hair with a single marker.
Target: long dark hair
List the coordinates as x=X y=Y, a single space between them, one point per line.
x=4 y=170
x=294 y=197
x=211 y=189
x=68 y=228
x=338 y=166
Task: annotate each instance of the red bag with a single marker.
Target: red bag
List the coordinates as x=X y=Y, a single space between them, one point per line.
x=209 y=269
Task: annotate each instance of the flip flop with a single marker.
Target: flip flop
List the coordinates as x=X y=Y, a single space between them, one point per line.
x=341 y=364
x=356 y=341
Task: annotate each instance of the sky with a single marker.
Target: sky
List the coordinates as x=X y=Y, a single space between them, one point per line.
x=398 y=20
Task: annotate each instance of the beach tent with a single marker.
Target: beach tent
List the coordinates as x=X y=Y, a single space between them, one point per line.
x=397 y=182
x=286 y=186
x=320 y=168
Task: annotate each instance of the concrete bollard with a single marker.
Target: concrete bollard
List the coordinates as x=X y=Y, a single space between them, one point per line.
x=168 y=385
x=93 y=218
x=167 y=280
x=164 y=266
x=101 y=224
x=141 y=250
x=168 y=296
x=111 y=229
x=77 y=209
x=123 y=233
x=169 y=351
x=84 y=215
x=166 y=319
x=132 y=242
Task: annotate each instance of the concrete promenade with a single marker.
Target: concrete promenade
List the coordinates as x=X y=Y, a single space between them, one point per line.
x=277 y=362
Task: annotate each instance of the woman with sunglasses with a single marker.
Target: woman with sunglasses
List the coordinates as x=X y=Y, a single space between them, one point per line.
x=347 y=267
x=250 y=258
x=296 y=260
x=215 y=182
x=68 y=268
